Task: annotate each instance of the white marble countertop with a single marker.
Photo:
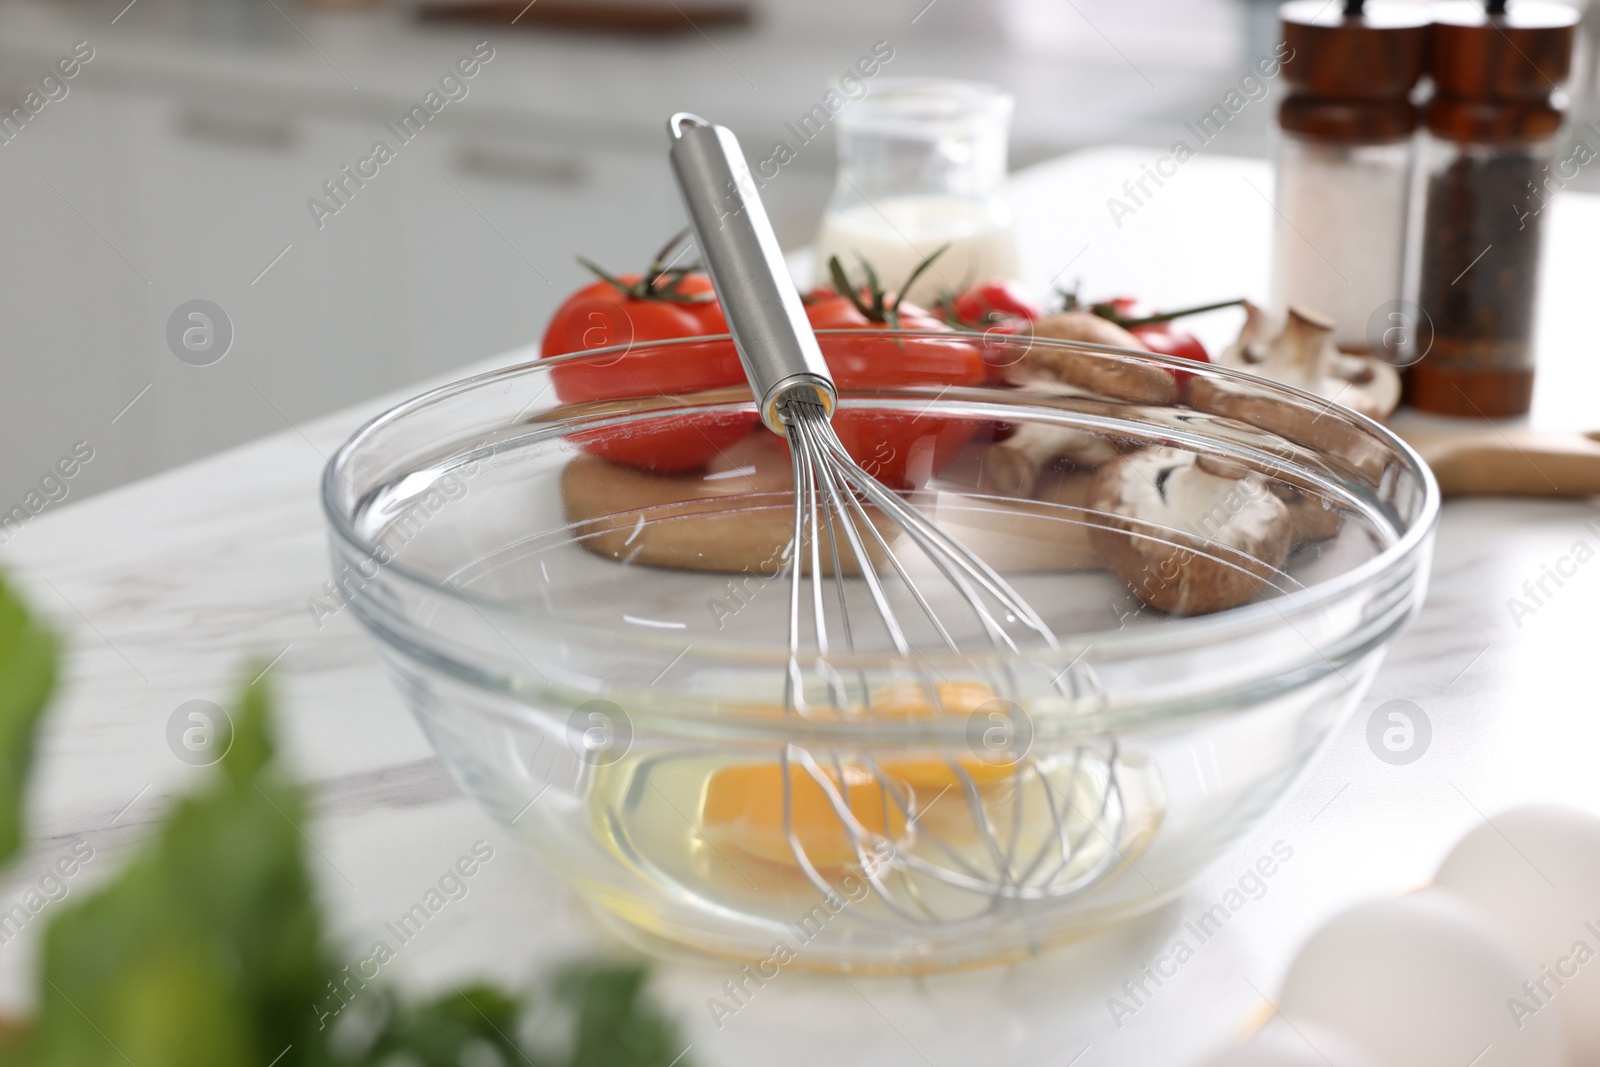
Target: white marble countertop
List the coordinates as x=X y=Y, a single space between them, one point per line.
x=165 y=588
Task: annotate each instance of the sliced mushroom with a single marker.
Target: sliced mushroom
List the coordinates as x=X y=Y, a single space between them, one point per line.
x=1299 y=351
x=1100 y=373
x=1314 y=518
x=1015 y=466
x=1189 y=534
x=1018 y=462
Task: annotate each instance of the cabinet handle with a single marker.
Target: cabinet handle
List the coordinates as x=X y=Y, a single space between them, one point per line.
x=253 y=132
x=522 y=168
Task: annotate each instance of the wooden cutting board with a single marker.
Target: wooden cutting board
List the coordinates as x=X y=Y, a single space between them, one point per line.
x=1511 y=462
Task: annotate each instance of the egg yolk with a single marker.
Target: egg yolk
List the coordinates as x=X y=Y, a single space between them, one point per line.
x=907 y=700
x=743 y=807
x=934 y=774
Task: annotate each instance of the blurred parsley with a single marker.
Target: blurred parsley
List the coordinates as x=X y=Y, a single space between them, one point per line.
x=27 y=677
x=208 y=948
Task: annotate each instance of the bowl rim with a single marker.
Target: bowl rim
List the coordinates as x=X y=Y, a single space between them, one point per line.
x=1170 y=634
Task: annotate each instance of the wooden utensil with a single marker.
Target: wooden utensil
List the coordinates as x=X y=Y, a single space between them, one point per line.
x=1512 y=462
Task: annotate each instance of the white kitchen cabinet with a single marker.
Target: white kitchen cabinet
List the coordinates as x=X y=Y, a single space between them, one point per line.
x=223 y=193
x=69 y=293
x=459 y=248
x=493 y=225
x=116 y=209
x=192 y=142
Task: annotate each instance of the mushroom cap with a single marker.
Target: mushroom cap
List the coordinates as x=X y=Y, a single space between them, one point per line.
x=1314 y=518
x=1062 y=371
x=1188 y=534
x=1084 y=326
x=1096 y=372
x=1298 y=350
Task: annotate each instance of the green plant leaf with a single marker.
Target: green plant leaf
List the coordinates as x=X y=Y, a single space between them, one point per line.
x=616 y=1024
x=207 y=949
x=443 y=1032
x=28 y=659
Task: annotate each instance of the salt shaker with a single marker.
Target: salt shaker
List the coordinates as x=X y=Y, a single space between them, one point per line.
x=922 y=164
x=1346 y=161
x=1492 y=130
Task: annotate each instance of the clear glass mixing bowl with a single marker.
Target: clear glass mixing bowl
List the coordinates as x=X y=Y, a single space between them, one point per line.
x=600 y=654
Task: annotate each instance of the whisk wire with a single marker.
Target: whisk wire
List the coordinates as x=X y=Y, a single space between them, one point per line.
x=804 y=420
x=794 y=682
x=938 y=545
x=999 y=847
x=858 y=511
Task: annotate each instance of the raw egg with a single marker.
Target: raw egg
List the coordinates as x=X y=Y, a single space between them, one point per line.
x=936 y=774
x=1421 y=981
x=907 y=700
x=1304 y=1044
x=1536 y=870
x=744 y=807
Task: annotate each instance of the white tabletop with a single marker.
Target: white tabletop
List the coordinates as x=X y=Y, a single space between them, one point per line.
x=165 y=588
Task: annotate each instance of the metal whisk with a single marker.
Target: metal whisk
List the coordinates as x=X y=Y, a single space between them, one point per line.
x=1076 y=799
x=796 y=397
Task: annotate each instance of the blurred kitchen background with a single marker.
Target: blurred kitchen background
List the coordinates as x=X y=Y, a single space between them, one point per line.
x=179 y=164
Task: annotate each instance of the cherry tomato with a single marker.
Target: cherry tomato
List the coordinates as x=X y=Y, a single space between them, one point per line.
x=601 y=316
x=1164 y=337
x=705 y=307
x=994 y=303
x=1172 y=342
x=998 y=308
x=900 y=450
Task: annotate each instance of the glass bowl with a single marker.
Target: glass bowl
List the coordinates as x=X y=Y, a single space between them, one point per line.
x=601 y=654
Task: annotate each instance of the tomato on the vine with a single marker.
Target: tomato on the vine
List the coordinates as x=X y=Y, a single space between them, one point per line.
x=900 y=450
x=1158 y=330
x=998 y=302
x=1179 y=343
x=999 y=309
x=1161 y=336
x=702 y=302
x=628 y=313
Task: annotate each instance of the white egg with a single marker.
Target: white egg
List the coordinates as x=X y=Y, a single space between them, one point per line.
x=1299 y=1043
x=1421 y=981
x=1537 y=871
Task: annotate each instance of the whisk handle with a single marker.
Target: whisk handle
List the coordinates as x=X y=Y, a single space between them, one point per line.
x=774 y=339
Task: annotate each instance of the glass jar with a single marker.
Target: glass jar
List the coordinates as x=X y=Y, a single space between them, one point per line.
x=922 y=164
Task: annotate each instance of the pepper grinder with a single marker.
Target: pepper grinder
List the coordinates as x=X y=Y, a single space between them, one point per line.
x=1346 y=161
x=1492 y=130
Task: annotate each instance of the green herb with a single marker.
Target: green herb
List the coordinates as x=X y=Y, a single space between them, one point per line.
x=438 y=1034
x=27 y=677
x=614 y=1024
x=208 y=948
